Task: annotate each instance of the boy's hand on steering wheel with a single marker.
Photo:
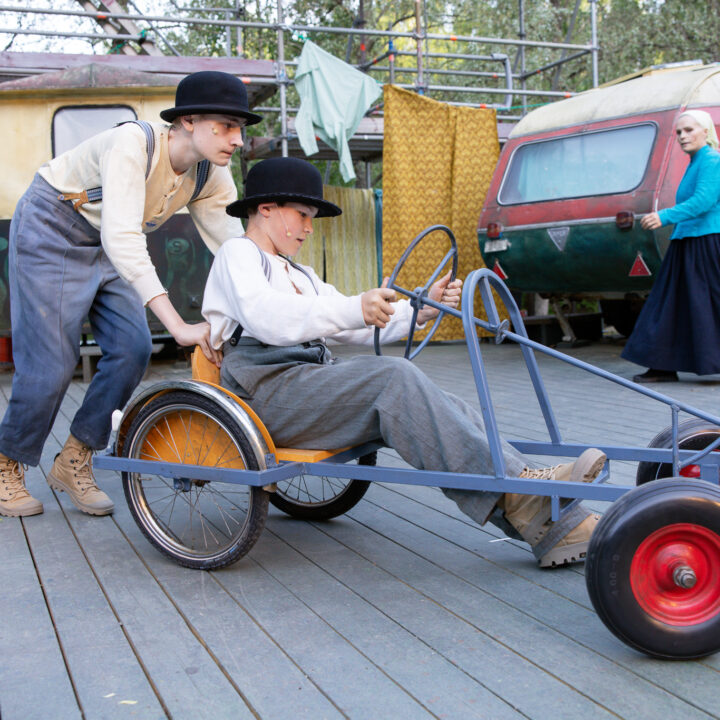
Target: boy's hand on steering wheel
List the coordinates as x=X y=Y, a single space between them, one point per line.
x=442 y=291
x=376 y=305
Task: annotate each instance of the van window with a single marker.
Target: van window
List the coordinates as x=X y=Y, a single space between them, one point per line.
x=72 y=125
x=606 y=162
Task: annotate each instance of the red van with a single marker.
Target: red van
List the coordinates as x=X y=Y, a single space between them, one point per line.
x=561 y=215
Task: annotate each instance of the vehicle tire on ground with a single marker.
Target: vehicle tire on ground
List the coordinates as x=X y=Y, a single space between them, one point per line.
x=622 y=314
x=198 y=523
x=653 y=568
x=693 y=434
x=317 y=497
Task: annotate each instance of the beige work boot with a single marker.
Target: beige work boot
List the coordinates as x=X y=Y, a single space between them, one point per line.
x=72 y=473
x=15 y=500
x=530 y=514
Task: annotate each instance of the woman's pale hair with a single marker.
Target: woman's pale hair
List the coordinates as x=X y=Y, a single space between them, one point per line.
x=706 y=122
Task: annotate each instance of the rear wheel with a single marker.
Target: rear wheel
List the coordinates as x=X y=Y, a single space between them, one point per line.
x=317 y=497
x=693 y=434
x=199 y=523
x=653 y=568
x=622 y=314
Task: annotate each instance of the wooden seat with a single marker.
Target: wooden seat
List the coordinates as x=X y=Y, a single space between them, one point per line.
x=206 y=371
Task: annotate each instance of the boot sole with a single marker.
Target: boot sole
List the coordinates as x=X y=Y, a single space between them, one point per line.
x=565 y=555
x=22 y=513
x=56 y=484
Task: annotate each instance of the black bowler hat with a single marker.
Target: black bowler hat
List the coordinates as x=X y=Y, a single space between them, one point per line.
x=210 y=91
x=283 y=179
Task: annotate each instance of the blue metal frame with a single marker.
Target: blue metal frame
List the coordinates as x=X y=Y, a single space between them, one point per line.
x=487 y=281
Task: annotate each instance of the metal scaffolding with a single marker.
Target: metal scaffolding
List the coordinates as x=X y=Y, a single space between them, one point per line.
x=499 y=82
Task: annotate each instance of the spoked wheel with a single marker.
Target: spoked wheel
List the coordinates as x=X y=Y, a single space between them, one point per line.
x=653 y=568
x=452 y=254
x=199 y=523
x=316 y=497
x=693 y=434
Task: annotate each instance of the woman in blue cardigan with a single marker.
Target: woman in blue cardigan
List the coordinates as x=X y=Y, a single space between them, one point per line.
x=679 y=326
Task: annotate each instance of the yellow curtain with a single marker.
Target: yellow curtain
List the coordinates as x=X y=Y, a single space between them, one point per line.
x=345 y=245
x=438 y=161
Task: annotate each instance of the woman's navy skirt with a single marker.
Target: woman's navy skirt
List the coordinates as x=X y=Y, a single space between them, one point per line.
x=679 y=326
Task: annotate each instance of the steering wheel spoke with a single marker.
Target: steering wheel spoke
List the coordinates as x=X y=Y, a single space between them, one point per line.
x=416 y=296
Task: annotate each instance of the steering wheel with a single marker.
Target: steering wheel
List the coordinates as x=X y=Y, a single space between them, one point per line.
x=417 y=296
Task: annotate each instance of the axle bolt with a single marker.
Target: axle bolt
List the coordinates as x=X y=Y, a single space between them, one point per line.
x=683 y=576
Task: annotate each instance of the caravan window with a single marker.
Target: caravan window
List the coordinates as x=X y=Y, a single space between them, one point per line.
x=72 y=125
x=606 y=162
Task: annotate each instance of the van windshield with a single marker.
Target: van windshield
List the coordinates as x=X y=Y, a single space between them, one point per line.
x=605 y=162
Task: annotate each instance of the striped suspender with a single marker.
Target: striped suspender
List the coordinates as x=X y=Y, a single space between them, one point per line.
x=203 y=170
x=95 y=194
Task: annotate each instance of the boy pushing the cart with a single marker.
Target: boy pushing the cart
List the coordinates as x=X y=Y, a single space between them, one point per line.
x=274 y=319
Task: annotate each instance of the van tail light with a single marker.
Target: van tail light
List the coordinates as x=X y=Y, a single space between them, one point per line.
x=494 y=230
x=624 y=220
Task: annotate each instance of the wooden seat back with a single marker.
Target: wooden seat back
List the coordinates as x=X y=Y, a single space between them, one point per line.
x=204 y=369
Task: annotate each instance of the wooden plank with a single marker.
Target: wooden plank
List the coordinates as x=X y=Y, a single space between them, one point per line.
x=185 y=676
x=274 y=684
x=30 y=655
x=103 y=667
x=463 y=670
x=540 y=625
x=687 y=680
x=356 y=685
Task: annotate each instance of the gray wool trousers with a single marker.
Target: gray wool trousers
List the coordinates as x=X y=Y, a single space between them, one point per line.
x=363 y=398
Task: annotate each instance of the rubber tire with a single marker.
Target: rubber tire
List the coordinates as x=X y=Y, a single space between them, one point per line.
x=693 y=434
x=347 y=499
x=240 y=543
x=622 y=314
x=612 y=547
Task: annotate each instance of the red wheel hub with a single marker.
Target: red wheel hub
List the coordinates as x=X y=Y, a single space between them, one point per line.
x=675 y=574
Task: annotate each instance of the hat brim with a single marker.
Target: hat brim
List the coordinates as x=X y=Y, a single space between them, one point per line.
x=324 y=208
x=171 y=113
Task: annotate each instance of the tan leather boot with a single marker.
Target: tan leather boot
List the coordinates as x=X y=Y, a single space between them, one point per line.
x=72 y=473
x=530 y=514
x=15 y=500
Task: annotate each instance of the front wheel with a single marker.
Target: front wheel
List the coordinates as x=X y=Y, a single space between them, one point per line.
x=198 y=523
x=653 y=568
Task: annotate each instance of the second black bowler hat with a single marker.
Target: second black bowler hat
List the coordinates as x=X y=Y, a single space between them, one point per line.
x=211 y=92
x=283 y=179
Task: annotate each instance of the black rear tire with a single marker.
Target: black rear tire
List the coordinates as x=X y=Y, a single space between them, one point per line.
x=319 y=498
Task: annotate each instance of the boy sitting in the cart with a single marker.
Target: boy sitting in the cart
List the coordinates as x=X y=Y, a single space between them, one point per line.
x=272 y=318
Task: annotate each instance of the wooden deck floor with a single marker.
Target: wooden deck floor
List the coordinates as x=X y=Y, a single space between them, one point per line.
x=403 y=608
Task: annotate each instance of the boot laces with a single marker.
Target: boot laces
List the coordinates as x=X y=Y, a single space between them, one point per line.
x=83 y=470
x=546 y=473
x=12 y=477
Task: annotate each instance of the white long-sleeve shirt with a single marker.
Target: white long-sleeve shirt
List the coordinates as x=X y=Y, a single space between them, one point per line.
x=132 y=206
x=272 y=311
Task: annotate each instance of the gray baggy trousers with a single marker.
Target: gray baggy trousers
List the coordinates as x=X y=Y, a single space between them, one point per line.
x=364 y=398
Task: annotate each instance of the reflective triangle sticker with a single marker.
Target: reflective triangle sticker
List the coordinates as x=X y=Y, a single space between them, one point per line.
x=497 y=269
x=639 y=267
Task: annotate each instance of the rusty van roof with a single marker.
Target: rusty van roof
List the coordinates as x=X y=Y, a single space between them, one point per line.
x=698 y=87
x=28 y=73
x=92 y=75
